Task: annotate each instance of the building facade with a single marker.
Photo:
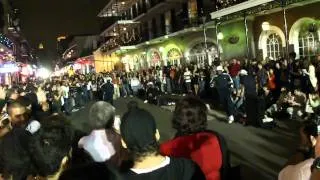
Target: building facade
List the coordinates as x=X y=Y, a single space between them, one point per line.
x=158 y=32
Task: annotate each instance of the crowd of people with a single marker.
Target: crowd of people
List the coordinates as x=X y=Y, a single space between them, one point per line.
x=38 y=141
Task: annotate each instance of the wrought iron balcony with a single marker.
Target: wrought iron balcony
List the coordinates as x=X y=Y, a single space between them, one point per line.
x=221 y=4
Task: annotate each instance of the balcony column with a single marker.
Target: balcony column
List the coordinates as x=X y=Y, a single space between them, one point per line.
x=247 y=35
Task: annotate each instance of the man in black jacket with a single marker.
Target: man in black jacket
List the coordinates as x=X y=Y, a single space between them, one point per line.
x=108 y=90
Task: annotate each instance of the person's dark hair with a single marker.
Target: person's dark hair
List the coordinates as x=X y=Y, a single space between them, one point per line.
x=10 y=92
x=310 y=128
x=14 y=104
x=189 y=116
x=132 y=105
x=25 y=101
x=101 y=115
x=137 y=151
x=56 y=137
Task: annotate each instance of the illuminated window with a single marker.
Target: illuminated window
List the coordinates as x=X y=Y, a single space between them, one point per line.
x=274 y=46
x=308 y=44
x=174 y=56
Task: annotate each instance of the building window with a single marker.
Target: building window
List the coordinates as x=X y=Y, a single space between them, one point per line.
x=174 y=56
x=308 y=44
x=198 y=54
x=274 y=46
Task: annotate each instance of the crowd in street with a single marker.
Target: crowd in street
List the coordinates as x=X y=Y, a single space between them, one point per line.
x=37 y=140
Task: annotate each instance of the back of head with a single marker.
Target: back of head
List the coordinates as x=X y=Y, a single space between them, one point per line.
x=190 y=116
x=101 y=115
x=138 y=130
x=132 y=105
x=56 y=137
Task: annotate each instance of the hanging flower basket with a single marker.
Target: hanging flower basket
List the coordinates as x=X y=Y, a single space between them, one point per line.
x=233 y=39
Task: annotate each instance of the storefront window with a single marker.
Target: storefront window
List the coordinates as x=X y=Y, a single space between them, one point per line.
x=274 y=46
x=308 y=44
x=198 y=53
x=174 y=56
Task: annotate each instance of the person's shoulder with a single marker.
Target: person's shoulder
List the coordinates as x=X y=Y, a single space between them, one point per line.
x=187 y=168
x=296 y=172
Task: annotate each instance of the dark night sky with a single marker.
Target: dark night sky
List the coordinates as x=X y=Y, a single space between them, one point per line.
x=44 y=20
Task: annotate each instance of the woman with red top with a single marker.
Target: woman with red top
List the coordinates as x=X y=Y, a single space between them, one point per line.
x=194 y=141
x=271 y=80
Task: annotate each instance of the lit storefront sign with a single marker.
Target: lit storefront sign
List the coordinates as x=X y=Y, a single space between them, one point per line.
x=9 y=68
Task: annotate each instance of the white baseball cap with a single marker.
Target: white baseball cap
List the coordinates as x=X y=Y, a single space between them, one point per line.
x=219 y=68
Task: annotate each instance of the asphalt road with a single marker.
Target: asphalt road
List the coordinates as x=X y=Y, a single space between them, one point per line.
x=261 y=153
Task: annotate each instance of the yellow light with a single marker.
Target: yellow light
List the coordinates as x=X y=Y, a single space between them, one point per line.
x=41 y=46
x=147 y=42
x=1 y=49
x=61 y=38
x=265 y=26
x=161 y=49
x=123 y=3
x=166 y=36
x=124 y=29
x=220 y=36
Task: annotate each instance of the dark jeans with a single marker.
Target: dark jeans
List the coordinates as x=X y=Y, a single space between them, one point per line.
x=67 y=106
x=225 y=100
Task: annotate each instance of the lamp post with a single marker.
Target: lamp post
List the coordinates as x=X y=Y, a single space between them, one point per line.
x=205 y=38
x=284 y=4
x=217 y=37
x=247 y=36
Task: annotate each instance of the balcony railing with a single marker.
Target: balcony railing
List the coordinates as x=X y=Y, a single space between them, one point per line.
x=222 y=4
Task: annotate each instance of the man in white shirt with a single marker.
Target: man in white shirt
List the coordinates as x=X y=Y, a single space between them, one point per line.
x=65 y=101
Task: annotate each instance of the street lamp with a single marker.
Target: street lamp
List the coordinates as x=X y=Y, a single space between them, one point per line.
x=220 y=36
x=217 y=37
x=265 y=26
x=205 y=37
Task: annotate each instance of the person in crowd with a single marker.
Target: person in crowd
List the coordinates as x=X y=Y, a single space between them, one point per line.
x=143 y=146
x=33 y=151
x=237 y=99
x=234 y=69
x=152 y=94
x=299 y=166
x=223 y=83
x=313 y=103
x=195 y=79
x=312 y=76
x=271 y=80
x=12 y=95
x=65 y=101
x=108 y=91
x=297 y=104
x=91 y=171
x=194 y=141
x=104 y=141
x=262 y=76
x=187 y=75
x=135 y=85
x=5 y=125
